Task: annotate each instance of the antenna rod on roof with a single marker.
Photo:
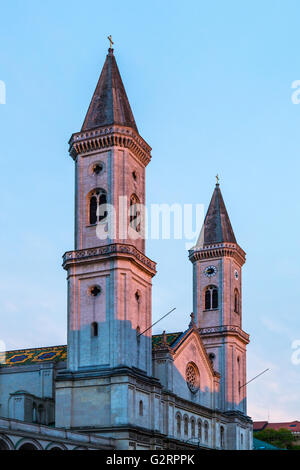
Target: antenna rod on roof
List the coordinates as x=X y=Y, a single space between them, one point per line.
x=254 y=378
x=157 y=321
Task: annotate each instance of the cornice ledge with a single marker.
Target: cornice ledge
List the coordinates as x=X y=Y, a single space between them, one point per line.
x=113 y=249
x=217 y=250
x=110 y=136
x=225 y=329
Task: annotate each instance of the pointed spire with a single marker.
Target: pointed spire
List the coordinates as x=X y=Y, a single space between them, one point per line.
x=109 y=104
x=217 y=226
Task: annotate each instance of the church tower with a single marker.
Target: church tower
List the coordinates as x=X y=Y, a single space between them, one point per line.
x=217 y=301
x=109 y=276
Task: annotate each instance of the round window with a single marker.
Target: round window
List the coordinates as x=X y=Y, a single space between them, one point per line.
x=192 y=377
x=94 y=291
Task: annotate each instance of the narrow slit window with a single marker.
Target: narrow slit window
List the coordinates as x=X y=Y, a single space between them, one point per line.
x=97 y=206
x=207 y=300
x=93 y=210
x=236 y=302
x=178 y=420
x=94 y=328
x=215 y=298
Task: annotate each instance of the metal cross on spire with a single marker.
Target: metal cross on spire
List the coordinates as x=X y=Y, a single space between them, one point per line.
x=218 y=179
x=110 y=41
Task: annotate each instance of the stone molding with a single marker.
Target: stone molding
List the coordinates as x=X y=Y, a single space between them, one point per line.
x=115 y=249
x=42 y=432
x=217 y=330
x=218 y=250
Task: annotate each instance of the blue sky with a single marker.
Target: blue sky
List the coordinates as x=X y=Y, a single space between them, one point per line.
x=210 y=87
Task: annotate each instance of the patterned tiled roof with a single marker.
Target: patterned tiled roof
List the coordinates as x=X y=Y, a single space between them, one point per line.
x=158 y=339
x=59 y=353
x=35 y=356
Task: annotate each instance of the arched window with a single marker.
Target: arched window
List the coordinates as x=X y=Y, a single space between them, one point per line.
x=41 y=414
x=199 y=430
x=222 y=441
x=215 y=298
x=211 y=298
x=193 y=428
x=242 y=441
x=135 y=213
x=93 y=210
x=97 y=206
x=178 y=424
x=236 y=301
x=186 y=425
x=206 y=431
x=207 y=299
x=34 y=413
x=94 y=329
x=141 y=408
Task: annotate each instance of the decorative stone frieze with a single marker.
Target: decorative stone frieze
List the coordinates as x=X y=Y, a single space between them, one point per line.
x=113 y=136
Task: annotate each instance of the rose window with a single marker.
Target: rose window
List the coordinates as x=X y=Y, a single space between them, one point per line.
x=192 y=377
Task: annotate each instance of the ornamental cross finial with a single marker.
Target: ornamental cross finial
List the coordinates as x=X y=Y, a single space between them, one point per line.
x=218 y=179
x=110 y=41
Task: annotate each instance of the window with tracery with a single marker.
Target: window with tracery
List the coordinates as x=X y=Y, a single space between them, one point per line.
x=211 y=298
x=192 y=377
x=97 y=206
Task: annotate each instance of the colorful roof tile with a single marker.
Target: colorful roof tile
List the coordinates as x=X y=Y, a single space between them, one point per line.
x=34 y=356
x=157 y=340
x=59 y=353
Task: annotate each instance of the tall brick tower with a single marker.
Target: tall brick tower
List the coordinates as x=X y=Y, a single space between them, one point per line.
x=109 y=276
x=217 y=301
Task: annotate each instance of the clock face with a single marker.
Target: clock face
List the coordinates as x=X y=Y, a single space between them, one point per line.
x=210 y=271
x=236 y=274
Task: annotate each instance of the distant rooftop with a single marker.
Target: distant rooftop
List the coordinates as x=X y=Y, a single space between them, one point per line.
x=293 y=426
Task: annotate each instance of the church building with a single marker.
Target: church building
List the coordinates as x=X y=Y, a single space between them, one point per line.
x=115 y=385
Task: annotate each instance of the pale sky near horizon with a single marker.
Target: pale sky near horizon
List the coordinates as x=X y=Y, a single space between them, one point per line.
x=210 y=87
